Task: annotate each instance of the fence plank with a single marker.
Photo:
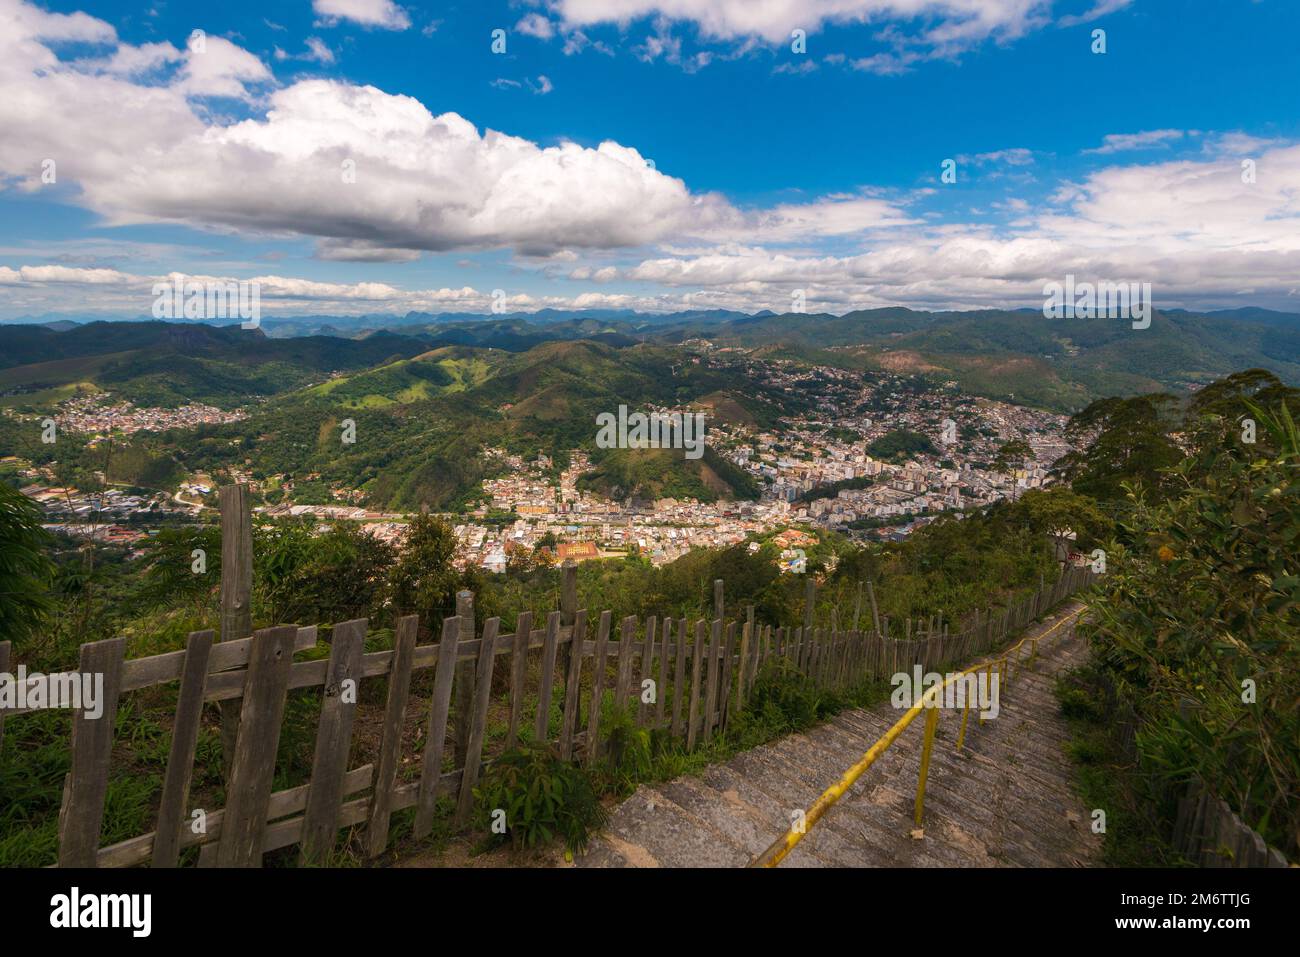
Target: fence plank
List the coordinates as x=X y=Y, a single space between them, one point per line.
x=697 y=660
x=597 y=686
x=338 y=709
x=626 y=641
x=725 y=693
x=568 y=617
x=180 y=759
x=86 y=785
x=643 y=710
x=140 y=673
x=661 y=687
x=137 y=850
x=679 y=679
x=572 y=686
x=542 y=724
x=253 y=766
x=390 y=745
x=478 y=720
x=518 y=675
x=742 y=671
x=444 y=678
x=714 y=679
x=236 y=594
x=464 y=689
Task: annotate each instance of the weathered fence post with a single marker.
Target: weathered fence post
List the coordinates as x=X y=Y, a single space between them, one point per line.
x=465 y=677
x=809 y=605
x=436 y=737
x=719 y=607
x=569 y=615
x=236 y=594
x=252 y=768
x=746 y=640
x=85 y=787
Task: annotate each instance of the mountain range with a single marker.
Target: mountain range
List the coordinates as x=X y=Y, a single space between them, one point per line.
x=428 y=395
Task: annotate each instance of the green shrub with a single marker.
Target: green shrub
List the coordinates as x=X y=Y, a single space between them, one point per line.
x=543 y=798
x=785 y=698
x=627 y=750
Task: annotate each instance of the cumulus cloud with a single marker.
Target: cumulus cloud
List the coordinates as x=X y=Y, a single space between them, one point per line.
x=372 y=177
x=383 y=14
x=326 y=159
x=1192 y=228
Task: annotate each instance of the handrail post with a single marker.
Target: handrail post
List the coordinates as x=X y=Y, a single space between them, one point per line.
x=965 y=716
x=931 y=723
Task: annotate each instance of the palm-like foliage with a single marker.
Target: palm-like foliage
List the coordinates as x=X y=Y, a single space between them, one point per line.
x=25 y=566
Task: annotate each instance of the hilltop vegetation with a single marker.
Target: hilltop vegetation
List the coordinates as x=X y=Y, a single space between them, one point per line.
x=1195 y=625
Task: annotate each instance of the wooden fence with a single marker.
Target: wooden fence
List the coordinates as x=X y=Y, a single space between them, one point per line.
x=1206 y=831
x=689 y=678
x=1209 y=834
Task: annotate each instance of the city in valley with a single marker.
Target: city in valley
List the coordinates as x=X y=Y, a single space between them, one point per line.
x=815 y=470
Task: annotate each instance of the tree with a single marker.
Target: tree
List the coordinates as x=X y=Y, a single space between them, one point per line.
x=1010 y=457
x=1216 y=415
x=1124 y=442
x=25 y=567
x=423 y=581
x=1058 y=511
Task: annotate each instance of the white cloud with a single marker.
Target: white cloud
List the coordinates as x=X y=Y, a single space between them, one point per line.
x=774 y=19
x=220 y=68
x=422 y=182
x=369 y=13
x=1016 y=156
x=131 y=61
x=64 y=274
x=535 y=25
x=1193 y=229
x=426 y=182
x=318 y=51
x=577 y=41
x=1098 y=10
x=1148 y=139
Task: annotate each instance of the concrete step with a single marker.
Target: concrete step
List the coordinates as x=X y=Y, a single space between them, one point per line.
x=1006 y=799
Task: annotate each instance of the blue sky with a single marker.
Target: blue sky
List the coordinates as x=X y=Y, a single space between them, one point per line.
x=774 y=171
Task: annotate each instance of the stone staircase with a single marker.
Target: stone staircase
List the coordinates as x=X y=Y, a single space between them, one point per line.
x=1006 y=800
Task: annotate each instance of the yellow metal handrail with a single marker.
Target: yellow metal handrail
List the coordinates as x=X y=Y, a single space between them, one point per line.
x=784 y=845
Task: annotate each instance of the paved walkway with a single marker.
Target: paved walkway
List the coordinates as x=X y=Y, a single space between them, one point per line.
x=1006 y=800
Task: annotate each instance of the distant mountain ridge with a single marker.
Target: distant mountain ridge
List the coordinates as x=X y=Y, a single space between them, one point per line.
x=1018 y=355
